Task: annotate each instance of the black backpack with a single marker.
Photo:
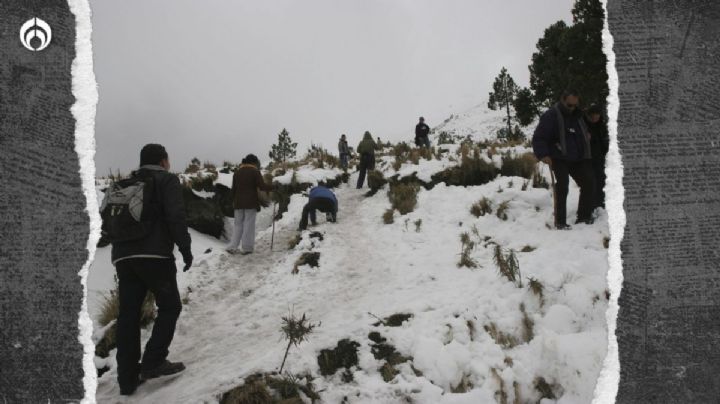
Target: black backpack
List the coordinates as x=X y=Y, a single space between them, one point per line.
x=127 y=211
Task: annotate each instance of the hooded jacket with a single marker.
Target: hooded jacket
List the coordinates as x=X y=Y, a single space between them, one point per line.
x=367 y=145
x=561 y=135
x=246 y=181
x=168 y=229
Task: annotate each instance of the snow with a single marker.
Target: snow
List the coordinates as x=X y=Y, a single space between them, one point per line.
x=308 y=175
x=230 y=327
x=479 y=122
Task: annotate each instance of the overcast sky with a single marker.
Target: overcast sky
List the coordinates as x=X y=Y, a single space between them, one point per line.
x=220 y=79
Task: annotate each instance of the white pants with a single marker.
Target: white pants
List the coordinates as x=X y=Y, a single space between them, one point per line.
x=244 y=229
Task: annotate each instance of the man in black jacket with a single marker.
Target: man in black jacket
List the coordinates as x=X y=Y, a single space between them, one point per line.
x=562 y=141
x=148 y=264
x=599 y=144
x=421 y=133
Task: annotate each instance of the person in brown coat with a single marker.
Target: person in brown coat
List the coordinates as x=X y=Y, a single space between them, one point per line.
x=246 y=183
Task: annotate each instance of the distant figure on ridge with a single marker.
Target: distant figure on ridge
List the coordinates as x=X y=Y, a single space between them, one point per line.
x=366 y=150
x=562 y=141
x=344 y=152
x=322 y=199
x=246 y=203
x=422 y=131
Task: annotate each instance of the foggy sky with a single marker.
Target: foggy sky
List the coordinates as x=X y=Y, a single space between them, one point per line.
x=219 y=79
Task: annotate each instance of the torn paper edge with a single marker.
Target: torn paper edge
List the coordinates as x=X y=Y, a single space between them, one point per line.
x=607 y=384
x=84 y=90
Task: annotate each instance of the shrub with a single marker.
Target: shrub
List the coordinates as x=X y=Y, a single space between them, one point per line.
x=403 y=197
x=253 y=391
x=527 y=324
x=537 y=289
x=501 y=211
x=481 y=207
x=308 y=258
x=501 y=338
x=507 y=265
x=539 y=181
x=109 y=311
x=418 y=224
x=203 y=182
x=471 y=171
x=344 y=355
x=389 y=216
x=445 y=138
x=376 y=180
x=521 y=166
x=295 y=330
x=467 y=245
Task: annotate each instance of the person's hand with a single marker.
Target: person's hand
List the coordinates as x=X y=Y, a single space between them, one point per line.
x=547 y=160
x=187 y=259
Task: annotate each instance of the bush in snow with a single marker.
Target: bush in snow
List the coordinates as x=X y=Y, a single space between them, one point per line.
x=344 y=355
x=403 y=197
x=389 y=216
x=253 y=391
x=471 y=171
x=537 y=289
x=109 y=311
x=503 y=339
x=307 y=258
x=508 y=265
x=418 y=224
x=521 y=166
x=527 y=324
x=295 y=330
x=481 y=207
x=467 y=245
x=501 y=211
x=539 y=181
x=203 y=182
x=376 y=180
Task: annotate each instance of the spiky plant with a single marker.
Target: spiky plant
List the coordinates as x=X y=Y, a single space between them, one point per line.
x=295 y=331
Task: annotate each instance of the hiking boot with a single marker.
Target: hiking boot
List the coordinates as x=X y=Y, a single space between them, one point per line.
x=231 y=251
x=129 y=390
x=245 y=252
x=164 y=369
x=588 y=220
x=563 y=226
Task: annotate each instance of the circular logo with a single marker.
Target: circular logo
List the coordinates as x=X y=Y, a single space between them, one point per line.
x=35 y=34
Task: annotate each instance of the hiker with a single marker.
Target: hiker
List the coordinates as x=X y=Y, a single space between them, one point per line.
x=322 y=199
x=599 y=145
x=344 y=151
x=421 y=134
x=247 y=181
x=147 y=264
x=366 y=150
x=562 y=141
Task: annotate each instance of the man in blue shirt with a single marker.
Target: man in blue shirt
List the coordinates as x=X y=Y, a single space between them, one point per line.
x=562 y=141
x=322 y=199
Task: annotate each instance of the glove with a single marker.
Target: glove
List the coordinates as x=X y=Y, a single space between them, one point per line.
x=187 y=259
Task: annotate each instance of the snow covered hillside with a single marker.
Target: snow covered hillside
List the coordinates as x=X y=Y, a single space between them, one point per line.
x=427 y=330
x=479 y=122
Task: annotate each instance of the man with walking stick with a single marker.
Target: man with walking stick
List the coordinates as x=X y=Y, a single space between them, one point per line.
x=561 y=140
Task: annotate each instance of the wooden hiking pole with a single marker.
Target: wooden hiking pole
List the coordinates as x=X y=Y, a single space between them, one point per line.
x=552 y=184
x=272 y=236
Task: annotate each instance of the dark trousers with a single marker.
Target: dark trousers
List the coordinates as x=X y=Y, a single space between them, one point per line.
x=599 y=172
x=367 y=162
x=136 y=276
x=324 y=205
x=582 y=173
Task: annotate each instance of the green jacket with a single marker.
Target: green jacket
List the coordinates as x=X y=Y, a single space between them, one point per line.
x=367 y=145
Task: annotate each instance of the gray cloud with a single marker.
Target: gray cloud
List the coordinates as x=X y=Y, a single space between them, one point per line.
x=219 y=79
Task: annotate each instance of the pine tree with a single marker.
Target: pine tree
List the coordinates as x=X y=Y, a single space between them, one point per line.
x=526 y=109
x=284 y=149
x=503 y=96
x=571 y=57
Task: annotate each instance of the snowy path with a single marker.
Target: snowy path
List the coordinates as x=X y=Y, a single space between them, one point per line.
x=231 y=325
x=230 y=328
